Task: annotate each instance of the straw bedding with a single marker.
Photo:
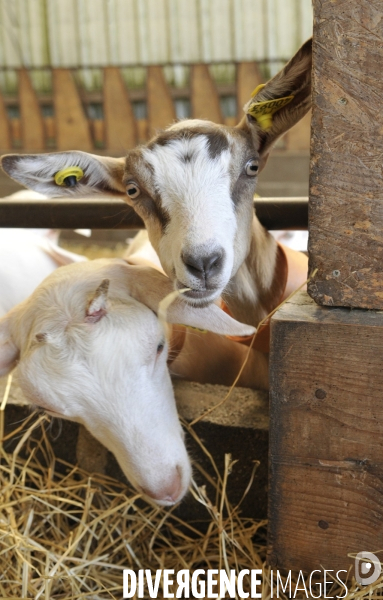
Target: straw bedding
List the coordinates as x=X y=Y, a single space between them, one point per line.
x=67 y=534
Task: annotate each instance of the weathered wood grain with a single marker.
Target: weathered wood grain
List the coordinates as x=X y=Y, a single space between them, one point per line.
x=346 y=187
x=326 y=435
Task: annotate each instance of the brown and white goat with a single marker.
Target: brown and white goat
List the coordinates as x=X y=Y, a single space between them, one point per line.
x=193 y=185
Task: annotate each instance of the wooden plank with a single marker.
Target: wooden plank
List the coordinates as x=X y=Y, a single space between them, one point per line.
x=161 y=111
x=120 y=125
x=204 y=96
x=346 y=193
x=5 y=133
x=72 y=127
x=248 y=78
x=326 y=435
x=32 y=124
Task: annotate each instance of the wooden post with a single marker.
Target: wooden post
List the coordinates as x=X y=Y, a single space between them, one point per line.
x=5 y=134
x=346 y=188
x=161 y=112
x=32 y=124
x=120 y=125
x=326 y=435
x=204 y=96
x=72 y=127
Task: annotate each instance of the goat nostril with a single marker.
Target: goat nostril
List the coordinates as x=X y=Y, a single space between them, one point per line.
x=203 y=266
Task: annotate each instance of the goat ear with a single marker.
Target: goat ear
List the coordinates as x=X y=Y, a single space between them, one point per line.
x=97 y=305
x=292 y=88
x=210 y=318
x=150 y=287
x=9 y=353
x=92 y=174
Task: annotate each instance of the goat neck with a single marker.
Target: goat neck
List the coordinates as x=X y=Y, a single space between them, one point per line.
x=260 y=282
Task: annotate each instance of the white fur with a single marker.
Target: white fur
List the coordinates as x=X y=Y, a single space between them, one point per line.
x=107 y=373
x=26 y=258
x=197 y=196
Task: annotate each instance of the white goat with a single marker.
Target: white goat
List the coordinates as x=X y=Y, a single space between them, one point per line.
x=90 y=348
x=26 y=258
x=193 y=185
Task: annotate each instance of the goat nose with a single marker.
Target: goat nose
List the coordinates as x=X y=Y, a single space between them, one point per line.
x=203 y=266
x=170 y=492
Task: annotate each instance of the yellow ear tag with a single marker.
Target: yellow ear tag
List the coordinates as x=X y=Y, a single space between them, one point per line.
x=69 y=177
x=263 y=111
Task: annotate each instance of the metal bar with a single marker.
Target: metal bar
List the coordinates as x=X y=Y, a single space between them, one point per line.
x=93 y=213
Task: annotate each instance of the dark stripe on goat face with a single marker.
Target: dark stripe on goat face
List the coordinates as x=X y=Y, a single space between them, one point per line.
x=153 y=209
x=217 y=141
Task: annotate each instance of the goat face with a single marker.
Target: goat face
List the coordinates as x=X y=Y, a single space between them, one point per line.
x=192 y=184
x=89 y=350
x=198 y=212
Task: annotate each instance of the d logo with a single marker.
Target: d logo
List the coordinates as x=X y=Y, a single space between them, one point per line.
x=367 y=568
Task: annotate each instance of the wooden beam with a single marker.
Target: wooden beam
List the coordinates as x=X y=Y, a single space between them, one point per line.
x=346 y=190
x=326 y=435
x=32 y=124
x=120 y=125
x=72 y=126
x=161 y=111
x=5 y=132
x=204 y=96
x=248 y=78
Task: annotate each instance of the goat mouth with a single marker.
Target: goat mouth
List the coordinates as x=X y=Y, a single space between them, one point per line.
x=200 y=299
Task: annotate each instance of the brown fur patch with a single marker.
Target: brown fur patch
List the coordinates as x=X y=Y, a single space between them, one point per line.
x=217 y=140
x=148 y=203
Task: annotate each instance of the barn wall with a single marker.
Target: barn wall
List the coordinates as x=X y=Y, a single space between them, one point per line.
x=72 y=33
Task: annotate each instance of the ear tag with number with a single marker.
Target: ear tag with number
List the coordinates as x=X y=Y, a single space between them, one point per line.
x=263 y=111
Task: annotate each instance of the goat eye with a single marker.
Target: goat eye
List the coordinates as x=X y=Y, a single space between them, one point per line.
x=252 y=168
x=132 y=190
x=160 y=347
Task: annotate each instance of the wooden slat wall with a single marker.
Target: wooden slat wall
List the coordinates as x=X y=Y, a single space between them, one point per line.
x=248 y=78
x=73 y=123
x=5 y=133
x=32 y=125
x=204 y=95
x=72 y=127
x=161 y=110
x=120 y=125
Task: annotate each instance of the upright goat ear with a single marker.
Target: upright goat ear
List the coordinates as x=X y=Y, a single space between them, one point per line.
x=9 y=353
x=97 y=305
x=280 y=103
x=73 y=174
